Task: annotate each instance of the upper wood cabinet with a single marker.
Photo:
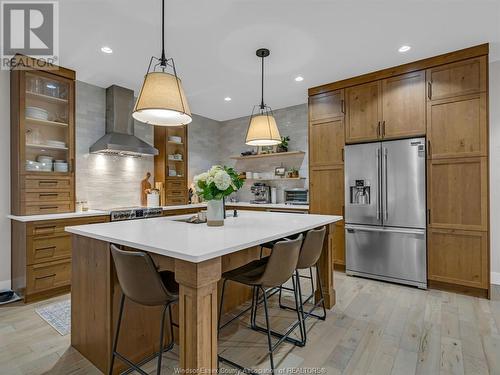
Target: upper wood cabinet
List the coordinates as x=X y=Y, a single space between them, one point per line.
x=327 y=106
x=363 y=112
x=458 y=127
x=327 y=190
x=42 y=132
x=459 y=78
x=326 y=142
x=403 y=105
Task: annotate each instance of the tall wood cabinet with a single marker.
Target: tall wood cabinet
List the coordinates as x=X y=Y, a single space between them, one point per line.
x=326 y=162
x=444 y=98
x=42 y=138
x=458 y=212
x=171 y=164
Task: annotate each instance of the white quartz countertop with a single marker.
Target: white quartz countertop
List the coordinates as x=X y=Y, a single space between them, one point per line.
x=199 y=242
x=89 y=213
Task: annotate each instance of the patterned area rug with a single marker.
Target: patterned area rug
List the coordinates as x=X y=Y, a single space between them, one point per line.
x=57 y=315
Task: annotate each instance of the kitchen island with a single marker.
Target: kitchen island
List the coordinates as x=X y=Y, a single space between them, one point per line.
x=198 y=255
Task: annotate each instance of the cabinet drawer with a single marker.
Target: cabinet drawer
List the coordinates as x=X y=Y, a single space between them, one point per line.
x=47 y=249
x=41 y=277
x=64 y=196
x=176 y=200
x=55 y=227
x=176 y=185
x=176 y=193
x=48 y=208
x=47 y=183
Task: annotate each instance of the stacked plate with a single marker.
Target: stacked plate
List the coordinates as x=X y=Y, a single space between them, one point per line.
x=37 y=113
x=60 y=166
x=32 y=166
x=175 y=139
x=45 y=163
x=56 y=144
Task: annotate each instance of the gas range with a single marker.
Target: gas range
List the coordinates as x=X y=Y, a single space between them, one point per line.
x=133 y=213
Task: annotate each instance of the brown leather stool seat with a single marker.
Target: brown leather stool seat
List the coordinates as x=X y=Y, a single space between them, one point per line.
x=142 y=283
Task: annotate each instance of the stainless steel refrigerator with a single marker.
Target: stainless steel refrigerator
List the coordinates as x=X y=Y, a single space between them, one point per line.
x=385 y=211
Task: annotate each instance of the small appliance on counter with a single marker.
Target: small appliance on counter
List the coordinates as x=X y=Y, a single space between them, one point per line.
x=297 y=196
x=261 y=192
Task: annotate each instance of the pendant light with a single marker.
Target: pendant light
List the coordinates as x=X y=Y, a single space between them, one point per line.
x=162 y=100
x=262 y=129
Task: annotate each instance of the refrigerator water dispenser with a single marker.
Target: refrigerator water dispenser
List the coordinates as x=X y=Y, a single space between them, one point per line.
x=360 y=192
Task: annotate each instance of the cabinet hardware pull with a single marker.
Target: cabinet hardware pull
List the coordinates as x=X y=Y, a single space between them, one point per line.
x=342 y=153
x=47 y=182
x=45 y=277
x=45 y=248
x=48 y=207
x=52 y=227
x=48 y=194
x=342 y=106
x=378 y=130
x=429 y=148
x=429 y=90
x=429 y=215
x=383 y=128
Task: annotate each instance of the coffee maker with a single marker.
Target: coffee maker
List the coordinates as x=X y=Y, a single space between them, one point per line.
x=261 y=192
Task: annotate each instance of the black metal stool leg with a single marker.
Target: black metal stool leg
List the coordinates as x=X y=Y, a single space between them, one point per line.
x=117 y=334
x=321 y=294
x=171 y=344
x=299 y=307
x=162 y=331
x=269 y=341
x=221 y=305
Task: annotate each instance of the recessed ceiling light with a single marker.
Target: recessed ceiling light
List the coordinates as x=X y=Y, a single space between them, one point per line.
x=106 y=49
x=404 y=49
x=227 y=99
x=299 y=79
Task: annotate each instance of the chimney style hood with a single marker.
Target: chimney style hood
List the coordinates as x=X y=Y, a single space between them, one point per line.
x=119 y=138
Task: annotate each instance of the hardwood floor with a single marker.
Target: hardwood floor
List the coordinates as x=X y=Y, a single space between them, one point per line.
x=375 y=328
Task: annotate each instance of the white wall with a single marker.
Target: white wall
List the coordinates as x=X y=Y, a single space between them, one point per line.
x=4 y=179
x=495 y=170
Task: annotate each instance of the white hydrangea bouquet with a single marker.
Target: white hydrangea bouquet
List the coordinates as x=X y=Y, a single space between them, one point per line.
x=215 y=184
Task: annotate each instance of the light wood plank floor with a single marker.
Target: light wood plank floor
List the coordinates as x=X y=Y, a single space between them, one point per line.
x=375 y=328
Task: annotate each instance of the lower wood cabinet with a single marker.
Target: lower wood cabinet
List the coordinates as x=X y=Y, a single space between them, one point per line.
x=458 y=257
x=338 y=244
x=41 y=256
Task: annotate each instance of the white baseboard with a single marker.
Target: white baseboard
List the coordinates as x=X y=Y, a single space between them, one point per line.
x=4 y=284
x=495 y=278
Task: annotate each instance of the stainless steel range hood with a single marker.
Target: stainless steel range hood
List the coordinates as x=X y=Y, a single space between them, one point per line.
x=119 y=138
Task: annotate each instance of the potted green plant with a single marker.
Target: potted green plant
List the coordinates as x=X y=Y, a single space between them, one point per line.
x=213 y=186
x=283 y=146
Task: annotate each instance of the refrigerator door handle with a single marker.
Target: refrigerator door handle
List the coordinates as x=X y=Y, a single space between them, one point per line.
x=386 y=203
x=378 y=183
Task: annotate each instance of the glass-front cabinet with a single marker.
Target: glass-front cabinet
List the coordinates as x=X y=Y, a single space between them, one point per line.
x=43 y=137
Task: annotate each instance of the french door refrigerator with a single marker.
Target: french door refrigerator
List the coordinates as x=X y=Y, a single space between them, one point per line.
x=385 y=211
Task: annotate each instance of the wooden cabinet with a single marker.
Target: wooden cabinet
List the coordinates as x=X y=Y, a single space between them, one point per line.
x=458 y=127
x=459 y=257
x=42 y=132
x=363 y=112
x=403 y=106
x=327 y=106
x=327 y=190
x=338 y=244
x=327 y=140
x=171 y=164
x=456 y=79
x=41 y=256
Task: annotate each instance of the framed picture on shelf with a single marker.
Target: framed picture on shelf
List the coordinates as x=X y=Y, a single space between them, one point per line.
x=266 y=150
x=280 y=171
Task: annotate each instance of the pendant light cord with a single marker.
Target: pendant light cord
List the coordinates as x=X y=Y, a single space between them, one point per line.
x=163 y=62
x=262 y=106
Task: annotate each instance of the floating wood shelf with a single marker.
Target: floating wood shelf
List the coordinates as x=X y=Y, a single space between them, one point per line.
x=277 y=179
x=32 y=145
x=48 y=98
x=45 y=122
x=275 y=154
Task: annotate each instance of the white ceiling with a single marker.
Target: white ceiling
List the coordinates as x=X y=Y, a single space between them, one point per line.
x=214 y=42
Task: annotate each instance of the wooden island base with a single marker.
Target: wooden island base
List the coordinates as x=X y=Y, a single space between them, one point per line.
x=95 y=301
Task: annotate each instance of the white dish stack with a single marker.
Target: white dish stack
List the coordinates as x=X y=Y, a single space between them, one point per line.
x=37 y=113
x=45 y=163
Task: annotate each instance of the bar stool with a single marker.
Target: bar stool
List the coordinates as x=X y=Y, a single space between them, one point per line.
x=308 y=258
x=142 y=283
x=268 y=272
